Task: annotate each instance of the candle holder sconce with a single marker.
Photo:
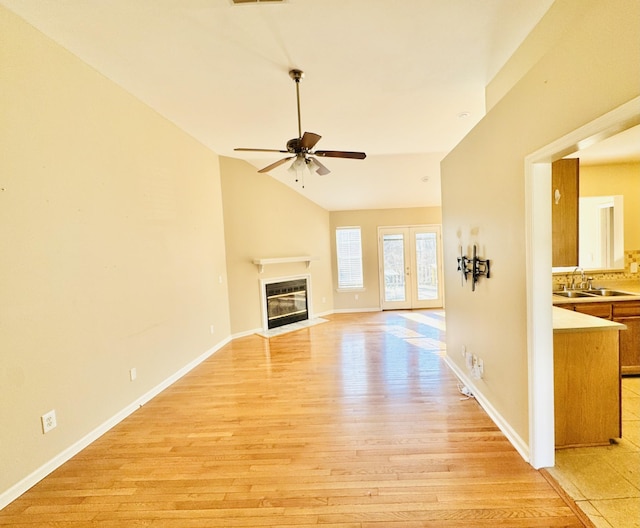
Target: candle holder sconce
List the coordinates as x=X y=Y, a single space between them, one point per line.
x=464 y=267
x=473 y=266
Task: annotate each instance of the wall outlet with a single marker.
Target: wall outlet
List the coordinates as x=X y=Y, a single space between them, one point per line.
x=633 y=267
x=133 y=374
x=464 y=351
x=477 y=370
x=469 y=361
x=49 y=421
x=212 y=329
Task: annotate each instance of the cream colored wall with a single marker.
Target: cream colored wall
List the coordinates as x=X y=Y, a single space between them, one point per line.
x=560 y=16
x=592 y=67
x=369 y=221
x=112 y=236
x=617 y=179
x=264 y=218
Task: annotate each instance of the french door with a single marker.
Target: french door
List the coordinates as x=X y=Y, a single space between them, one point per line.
x=410 y=267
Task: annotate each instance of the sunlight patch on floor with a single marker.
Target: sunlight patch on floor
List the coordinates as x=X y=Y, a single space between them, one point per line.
x=432 y=345
x=400 y=331
x=434 y=319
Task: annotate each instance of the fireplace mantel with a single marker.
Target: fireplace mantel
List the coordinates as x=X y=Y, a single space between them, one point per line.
x=262 y=262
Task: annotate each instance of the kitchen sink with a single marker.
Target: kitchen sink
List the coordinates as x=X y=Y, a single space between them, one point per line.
x=607 y=293
x=591 y=293
x=572 y=294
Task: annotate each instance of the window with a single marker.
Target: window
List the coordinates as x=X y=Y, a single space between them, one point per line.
x=349 y=254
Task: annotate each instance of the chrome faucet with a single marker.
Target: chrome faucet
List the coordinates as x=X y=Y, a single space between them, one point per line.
x=573 y=278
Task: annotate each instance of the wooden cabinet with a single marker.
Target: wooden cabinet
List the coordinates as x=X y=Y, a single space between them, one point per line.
x=625 y=312
x=565 y=176
x=587 y=388
x=600 y=309
x=628 y=313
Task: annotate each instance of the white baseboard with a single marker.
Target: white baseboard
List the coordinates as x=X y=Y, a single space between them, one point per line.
x=246 y=333
x=29 y=481
x=516 y=440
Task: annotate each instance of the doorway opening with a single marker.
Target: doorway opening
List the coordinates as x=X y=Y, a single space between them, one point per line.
x=539 y=277
x=410 y=267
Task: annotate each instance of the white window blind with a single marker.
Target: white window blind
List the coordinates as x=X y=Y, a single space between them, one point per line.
x=349 y=252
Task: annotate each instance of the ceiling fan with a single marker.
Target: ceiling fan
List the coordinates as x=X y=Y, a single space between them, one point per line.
x=301 y=147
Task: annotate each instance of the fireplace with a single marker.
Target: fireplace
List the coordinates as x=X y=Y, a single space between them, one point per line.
x=285 y=301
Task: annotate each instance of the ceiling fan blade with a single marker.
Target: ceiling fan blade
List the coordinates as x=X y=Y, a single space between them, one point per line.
x=302 y=146
x=339 y=154
x=309 y=140
x=322 y=170
x=276 y=164
x=260 y=150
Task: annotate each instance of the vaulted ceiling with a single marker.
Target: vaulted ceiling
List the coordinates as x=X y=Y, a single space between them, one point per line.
x=401 y=81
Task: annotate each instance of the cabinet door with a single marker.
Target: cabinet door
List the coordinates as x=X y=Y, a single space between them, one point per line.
x=626 y=309
x=565 y=176
x=628 y=313
x=597 y=309
x=570 y=307
x=630 y=345
x=586 y=374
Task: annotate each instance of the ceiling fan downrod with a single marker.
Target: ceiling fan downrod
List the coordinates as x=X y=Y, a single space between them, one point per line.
x=297 y=76
x=301 y=147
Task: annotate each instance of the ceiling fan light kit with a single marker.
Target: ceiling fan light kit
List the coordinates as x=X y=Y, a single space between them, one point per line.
x=302 y=146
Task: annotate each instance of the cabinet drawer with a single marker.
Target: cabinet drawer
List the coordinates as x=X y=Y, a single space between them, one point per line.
x=599 y=309
x=626 y=309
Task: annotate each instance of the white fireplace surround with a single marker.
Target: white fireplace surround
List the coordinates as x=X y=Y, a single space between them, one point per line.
x=272 y=280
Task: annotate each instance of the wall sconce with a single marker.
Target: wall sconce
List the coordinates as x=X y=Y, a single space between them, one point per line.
x=473 y=266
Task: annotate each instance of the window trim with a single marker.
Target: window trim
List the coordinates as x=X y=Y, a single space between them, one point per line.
x=349 y=288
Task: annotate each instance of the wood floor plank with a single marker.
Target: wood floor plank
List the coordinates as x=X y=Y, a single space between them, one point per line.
x=355 y=423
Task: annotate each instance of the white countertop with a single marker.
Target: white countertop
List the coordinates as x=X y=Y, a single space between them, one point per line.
x=570 y=321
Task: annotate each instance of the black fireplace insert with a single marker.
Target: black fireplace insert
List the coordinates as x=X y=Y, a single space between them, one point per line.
x=286 y=302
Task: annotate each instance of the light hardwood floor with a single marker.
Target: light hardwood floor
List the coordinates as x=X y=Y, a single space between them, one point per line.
x=353 y=423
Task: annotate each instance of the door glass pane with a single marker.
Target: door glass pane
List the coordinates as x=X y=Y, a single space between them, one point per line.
x=394 y=277
x=427 y=266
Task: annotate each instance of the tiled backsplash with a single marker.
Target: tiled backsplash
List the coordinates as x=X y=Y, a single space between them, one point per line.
x=630 y=256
